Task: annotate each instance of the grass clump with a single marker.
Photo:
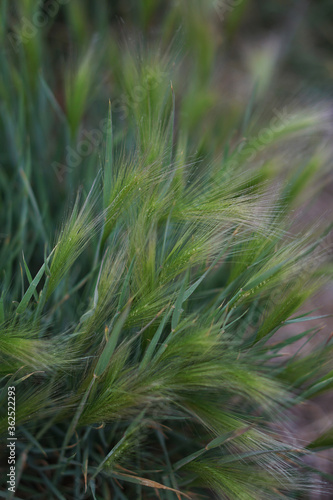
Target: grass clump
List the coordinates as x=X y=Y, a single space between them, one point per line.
x=137 y=326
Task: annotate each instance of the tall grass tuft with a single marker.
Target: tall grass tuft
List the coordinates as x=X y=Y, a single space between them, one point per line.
x=140 y=318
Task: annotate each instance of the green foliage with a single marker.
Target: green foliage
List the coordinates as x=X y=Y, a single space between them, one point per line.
x=137 y=316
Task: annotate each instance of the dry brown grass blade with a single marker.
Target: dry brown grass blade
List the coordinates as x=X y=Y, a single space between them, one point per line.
x=149 y=483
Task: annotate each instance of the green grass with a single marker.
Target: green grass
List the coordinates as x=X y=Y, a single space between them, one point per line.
x=144 y=271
